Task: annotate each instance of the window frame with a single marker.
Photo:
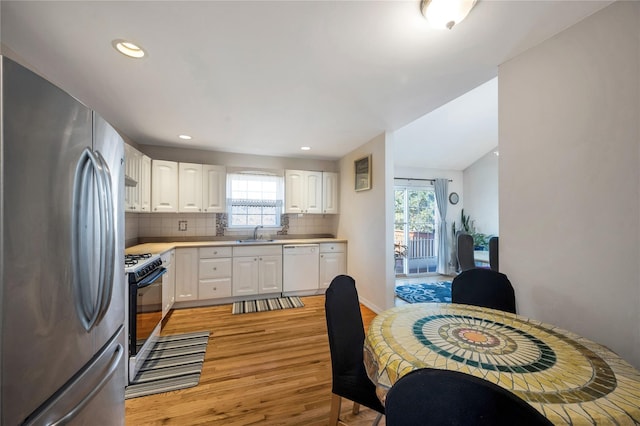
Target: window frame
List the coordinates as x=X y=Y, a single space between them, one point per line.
x=247 y=198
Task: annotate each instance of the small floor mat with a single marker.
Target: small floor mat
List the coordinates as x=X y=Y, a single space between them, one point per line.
x=175 y=362
x=262 y=305
x=438 y=292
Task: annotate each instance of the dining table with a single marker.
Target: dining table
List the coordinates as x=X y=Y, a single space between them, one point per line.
x=568 y=378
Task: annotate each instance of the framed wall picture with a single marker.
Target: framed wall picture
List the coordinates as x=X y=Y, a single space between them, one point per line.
x=363 y=173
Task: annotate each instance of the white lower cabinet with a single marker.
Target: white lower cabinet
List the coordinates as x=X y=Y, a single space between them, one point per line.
x=257 y=270
x=333 y=262
x=186 y=274
x=168 y=282
x=214 y=272
x=223 y=272
x=270 y=274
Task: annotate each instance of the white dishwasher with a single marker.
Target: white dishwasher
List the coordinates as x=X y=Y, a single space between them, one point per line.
x=300 y=269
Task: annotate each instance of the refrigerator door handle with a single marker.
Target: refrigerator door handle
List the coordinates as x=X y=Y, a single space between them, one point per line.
x=111 y=369
x=107 y=237
x=87 y=169
x=59 y=409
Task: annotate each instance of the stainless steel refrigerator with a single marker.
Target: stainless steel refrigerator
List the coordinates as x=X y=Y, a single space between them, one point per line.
x=62 y=347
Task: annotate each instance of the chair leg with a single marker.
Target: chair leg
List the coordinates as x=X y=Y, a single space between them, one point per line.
x=336 y=402
x=377 y=420
x=356 y=408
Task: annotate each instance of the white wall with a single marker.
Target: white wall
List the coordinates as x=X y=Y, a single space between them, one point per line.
x=366 y=220
x=569 y=179
x=480 y=199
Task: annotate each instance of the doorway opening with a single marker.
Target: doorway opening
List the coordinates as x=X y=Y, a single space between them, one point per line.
x=415 y=229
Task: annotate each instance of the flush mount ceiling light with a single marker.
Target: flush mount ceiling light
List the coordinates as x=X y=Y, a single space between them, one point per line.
x=185 y=137
x=127 y=48
x=445 y=13
x=305 y=148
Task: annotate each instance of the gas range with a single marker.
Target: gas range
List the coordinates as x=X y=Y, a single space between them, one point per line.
x=138 y=266
x=144 y=277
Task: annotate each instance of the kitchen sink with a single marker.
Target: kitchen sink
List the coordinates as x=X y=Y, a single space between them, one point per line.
x=254 y=241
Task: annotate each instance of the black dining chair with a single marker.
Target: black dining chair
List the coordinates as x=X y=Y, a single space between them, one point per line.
x=346 y=341
x=465 y=252
x=445 y=398
x=493 y=253
x=484 y=287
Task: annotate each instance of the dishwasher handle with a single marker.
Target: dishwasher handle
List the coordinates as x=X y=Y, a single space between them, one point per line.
x=294 y=247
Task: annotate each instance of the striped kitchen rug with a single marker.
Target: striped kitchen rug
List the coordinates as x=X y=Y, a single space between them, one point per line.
x=175 y=362
x=262 y=305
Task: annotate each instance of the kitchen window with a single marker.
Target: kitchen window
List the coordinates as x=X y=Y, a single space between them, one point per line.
x=254 y=199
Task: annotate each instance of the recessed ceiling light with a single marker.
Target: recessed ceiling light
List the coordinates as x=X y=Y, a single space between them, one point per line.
x=305 y=148
x=129 y=49
x=185 y=137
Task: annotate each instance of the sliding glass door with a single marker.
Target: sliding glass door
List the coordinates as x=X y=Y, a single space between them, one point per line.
x=415 y=228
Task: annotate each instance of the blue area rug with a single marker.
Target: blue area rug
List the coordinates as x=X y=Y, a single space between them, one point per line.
x=439 y=292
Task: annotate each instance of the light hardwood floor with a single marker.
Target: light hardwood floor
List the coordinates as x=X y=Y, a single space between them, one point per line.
x=267 y=368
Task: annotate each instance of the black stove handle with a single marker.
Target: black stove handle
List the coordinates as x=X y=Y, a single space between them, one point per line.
x=151 y=278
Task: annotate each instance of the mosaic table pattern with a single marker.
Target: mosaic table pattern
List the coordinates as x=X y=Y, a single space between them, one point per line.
x=569 y=379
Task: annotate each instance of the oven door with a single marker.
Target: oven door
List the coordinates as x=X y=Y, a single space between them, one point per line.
x=145 y=309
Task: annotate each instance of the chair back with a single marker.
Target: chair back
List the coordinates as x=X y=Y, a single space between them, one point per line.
x=493 y=253
x=465 y=252
x=344 y=325
x=442 y=397
x=484 y=287
x=346 y=342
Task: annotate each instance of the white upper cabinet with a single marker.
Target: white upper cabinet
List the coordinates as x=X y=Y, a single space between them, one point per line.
x=303 y=191
x=164 y=186
x=311 y=192
x=329 y=193
x=190 y=187
x=214 y=184
x=132 y=169
x=144 y=184
x=137 y=167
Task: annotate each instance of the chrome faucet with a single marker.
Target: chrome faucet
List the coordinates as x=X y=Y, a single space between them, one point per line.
x=255 y=232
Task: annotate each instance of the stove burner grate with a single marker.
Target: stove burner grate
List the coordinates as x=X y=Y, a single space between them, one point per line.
x=132 y=259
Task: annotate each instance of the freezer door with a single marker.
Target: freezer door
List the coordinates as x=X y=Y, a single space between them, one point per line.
x=95 y=396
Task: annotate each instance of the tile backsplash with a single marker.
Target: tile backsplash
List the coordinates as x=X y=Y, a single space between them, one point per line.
x=165 y=225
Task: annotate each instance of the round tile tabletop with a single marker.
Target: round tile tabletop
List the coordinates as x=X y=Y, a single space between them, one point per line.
x=569 y=379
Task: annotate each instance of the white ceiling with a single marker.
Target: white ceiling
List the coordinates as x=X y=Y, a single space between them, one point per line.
x=266 y=77
x=453 y=136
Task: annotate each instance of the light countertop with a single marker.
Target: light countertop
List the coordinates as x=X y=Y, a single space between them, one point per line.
x=159 y=248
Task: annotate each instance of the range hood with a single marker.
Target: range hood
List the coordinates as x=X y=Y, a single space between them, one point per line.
x=129 y=181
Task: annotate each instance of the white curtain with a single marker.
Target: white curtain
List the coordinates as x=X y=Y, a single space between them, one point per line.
x=441 y=190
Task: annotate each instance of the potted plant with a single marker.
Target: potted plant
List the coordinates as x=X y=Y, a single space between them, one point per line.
x=480 y=240
x=399 y=253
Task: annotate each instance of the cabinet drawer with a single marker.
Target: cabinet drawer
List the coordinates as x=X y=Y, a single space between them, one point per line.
x=214 y=268
x=214 y=288
x=208 y=252
x=257 y=250
x=333 y=248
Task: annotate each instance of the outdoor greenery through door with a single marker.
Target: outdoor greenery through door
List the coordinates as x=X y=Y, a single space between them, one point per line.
x=415 y=228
